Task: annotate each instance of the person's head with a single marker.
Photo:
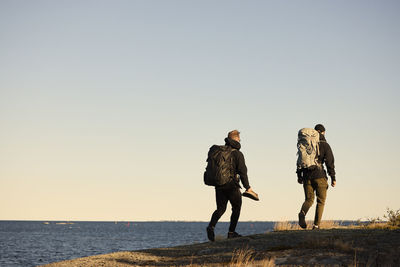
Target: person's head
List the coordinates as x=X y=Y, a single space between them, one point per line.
x=320 y=128
x=234 y=135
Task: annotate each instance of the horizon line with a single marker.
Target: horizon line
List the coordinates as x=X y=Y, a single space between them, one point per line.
x=143 y=221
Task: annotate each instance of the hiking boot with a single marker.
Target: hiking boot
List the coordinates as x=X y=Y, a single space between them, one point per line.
x=315 y=227
x=302 y=220
x=210 y=233
x=233 y=235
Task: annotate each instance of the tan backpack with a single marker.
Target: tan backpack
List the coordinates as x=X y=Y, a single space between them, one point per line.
x=307 y=148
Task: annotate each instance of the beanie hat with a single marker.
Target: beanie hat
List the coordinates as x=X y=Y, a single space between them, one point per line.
x=320 y=128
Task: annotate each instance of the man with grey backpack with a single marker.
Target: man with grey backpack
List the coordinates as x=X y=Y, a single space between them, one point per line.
x=313 y=152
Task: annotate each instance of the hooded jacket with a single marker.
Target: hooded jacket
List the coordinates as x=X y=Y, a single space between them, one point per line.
x=239 y=164
x=325 y=157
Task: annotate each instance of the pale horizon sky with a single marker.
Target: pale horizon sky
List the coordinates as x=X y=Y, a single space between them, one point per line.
x=108 y=108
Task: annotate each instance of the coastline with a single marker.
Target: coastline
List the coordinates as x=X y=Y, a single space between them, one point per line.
x=355 y=247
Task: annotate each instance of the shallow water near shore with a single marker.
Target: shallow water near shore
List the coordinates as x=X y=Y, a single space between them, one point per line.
x=32 y=243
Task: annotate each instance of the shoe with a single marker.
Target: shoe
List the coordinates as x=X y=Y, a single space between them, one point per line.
x=315 y=227
x=233 y=235
x=252 y=195
x=210 y=233
x=302 y=220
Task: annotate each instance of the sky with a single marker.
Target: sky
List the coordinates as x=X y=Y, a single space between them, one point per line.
x=108 y=108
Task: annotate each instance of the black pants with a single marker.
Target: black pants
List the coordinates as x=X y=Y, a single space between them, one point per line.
x=224 y=193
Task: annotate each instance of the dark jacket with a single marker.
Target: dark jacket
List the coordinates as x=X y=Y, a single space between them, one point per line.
x=238 y=162
x=325 y=157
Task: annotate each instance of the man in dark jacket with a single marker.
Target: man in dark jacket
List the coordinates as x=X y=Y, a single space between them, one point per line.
x=230 y=191
x=316 y=180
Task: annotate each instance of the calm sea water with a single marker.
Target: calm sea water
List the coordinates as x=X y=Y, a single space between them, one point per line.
x=32 y=243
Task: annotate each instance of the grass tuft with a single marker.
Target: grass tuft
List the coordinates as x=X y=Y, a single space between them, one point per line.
x=247 y=257
x=242 y=257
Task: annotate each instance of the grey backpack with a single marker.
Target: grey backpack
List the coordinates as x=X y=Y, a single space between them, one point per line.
x=307 y=149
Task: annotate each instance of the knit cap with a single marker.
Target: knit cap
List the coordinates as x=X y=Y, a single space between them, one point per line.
x=320 y=128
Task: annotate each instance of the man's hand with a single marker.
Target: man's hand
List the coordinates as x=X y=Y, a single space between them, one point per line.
x=299 y=178
x=250 y=190
x=333 y=183
x=251 y=194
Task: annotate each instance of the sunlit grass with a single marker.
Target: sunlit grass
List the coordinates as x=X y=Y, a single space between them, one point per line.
x=247 y=257
x=392 y=221
x=290 y=225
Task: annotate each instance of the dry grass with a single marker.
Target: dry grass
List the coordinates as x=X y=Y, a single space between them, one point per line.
x=286 y=225
x=242 y=257
x=375 y=225
x=392 y=221
x=247 y=257
x=370 y=225
x=329 y=224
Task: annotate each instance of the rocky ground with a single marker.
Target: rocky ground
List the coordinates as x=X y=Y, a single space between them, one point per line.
x=333 y=247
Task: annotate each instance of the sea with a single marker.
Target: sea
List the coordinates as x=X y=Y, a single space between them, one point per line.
x=35 y=243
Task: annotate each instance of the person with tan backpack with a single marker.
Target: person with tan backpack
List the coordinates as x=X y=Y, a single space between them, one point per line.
x=313 y=152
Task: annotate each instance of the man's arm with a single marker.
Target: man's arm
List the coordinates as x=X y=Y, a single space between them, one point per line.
x=330 y=164
x=242 y=170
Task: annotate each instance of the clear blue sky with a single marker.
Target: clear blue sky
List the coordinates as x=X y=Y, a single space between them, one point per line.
x=108 y=108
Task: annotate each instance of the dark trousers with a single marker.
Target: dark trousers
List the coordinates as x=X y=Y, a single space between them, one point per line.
x=318 y=187
x=229 y=192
